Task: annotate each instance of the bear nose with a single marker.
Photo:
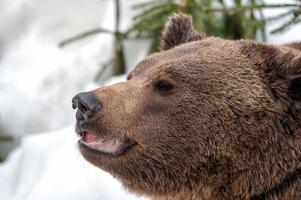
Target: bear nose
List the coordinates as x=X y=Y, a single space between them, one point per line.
x=87 y=104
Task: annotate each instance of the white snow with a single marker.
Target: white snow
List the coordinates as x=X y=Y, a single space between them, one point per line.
x=49 y=166
x=37 y=78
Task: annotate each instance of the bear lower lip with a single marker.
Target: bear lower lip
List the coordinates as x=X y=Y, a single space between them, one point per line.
x=107 y=146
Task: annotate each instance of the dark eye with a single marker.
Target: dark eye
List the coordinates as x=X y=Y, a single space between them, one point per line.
x=163 y=86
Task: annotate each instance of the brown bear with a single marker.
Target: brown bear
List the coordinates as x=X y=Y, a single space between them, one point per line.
x=204 y=118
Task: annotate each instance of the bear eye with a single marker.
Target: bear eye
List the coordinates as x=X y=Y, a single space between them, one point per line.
x=163 y=86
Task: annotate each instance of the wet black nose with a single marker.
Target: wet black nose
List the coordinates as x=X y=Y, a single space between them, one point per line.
x=87 y=104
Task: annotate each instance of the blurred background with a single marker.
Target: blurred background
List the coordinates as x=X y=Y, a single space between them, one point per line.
x=51 y=50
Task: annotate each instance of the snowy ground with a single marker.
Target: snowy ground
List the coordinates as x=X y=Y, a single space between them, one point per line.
x=37 y=82
x=49 y=166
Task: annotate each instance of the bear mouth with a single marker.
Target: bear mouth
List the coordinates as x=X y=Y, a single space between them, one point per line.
x=105 y=145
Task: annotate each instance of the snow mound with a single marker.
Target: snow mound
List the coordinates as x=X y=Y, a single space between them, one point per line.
x=49 y=166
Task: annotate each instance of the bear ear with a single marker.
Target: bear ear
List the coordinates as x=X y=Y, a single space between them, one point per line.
x=178 y=30
x=281 y=70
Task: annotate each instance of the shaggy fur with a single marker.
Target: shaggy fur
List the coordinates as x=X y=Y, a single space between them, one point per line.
x=228 y=125
x=179 y=30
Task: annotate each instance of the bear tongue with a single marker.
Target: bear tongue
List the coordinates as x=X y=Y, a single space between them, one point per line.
x=90 y=138
x=104 y=145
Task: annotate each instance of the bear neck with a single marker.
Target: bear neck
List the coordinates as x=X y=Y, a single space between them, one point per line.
x=289 y=188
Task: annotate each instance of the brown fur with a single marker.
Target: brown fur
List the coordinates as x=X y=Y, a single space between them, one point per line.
x=294 y=45
x=179 y=30
x=228 y=129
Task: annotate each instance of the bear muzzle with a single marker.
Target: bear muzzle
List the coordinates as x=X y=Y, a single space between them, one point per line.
x=88 y=105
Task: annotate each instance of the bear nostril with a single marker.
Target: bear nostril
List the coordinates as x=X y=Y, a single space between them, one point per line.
x=87 y=104
x=79 y=116
x=74 y=103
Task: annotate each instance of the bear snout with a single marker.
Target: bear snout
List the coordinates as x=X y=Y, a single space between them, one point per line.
x=87 y=105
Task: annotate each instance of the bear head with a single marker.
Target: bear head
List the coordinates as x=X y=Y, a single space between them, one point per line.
x=204 y=117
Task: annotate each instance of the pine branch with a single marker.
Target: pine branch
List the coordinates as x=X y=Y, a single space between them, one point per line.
x=103 y=69
x=6 y=138
x=84 y=35
x=146 y=4
x=282 y=15
x=252 y=7
x=287 y=24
